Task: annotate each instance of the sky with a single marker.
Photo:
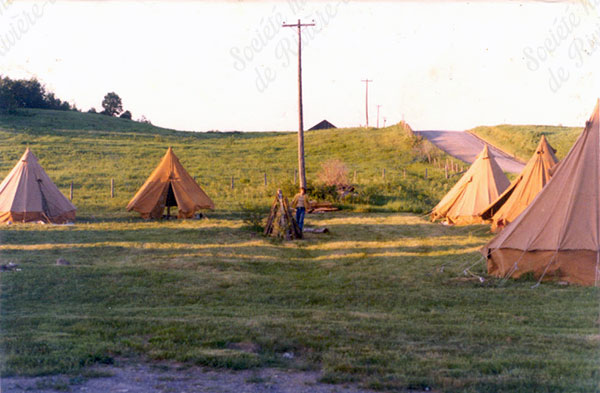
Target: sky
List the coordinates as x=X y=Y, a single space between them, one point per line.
x=230 y=65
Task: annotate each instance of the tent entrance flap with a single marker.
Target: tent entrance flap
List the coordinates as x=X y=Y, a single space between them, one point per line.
x=45 y=209
x=171 y=201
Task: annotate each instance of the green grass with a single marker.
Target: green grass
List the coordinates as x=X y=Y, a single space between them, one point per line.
x=380 y=301
x=367 y=303
x=521 y=141
x=90 y=149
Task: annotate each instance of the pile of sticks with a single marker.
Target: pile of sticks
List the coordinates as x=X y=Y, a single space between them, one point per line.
x=281 y=222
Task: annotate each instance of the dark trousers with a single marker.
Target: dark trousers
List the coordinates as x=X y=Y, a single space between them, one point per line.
x=300 y=212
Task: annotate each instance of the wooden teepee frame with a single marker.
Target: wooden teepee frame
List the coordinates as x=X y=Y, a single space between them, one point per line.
x=281 y=222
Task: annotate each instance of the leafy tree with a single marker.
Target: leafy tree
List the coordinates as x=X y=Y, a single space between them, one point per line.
x=30 y=93
x=126 y=115
x=112 y=104
x=92 y=110
x=8 y=102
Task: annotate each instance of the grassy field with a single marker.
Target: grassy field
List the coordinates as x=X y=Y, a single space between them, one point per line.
x=521 y=141
x=369 y=302
x=381 y=300
x=91 y=149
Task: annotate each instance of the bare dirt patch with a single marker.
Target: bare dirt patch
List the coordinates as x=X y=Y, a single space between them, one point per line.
x=176 y=378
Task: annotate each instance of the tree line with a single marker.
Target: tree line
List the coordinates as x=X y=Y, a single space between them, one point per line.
x=22 y=93
x=30 y=93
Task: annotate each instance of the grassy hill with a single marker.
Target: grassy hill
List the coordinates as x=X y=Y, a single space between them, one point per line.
x=521 y=141
x=382 y=300
x=90 y=149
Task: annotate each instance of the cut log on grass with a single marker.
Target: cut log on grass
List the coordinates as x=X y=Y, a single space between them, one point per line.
x=324 y=210
x=316 y=205
x=322 y=207
x=316 y=230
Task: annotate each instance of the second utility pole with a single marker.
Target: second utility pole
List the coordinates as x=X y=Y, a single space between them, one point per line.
x=367 y=99
x=301 y=166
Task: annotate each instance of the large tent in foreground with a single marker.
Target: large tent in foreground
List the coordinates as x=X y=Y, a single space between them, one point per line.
x=28 y=195
x=558 y=235
x=169 y=185
x=524 y=188
x=476 y=189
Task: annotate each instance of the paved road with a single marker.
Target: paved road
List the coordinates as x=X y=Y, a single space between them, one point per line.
x=466 y=147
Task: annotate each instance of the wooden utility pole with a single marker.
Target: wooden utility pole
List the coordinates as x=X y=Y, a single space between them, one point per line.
x=301 y=166
x=367 y=98
x=378 y=106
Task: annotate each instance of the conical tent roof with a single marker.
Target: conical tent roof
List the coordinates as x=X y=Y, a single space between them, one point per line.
x=557 y=235
x=27 y=195
x=524 y=188
x=476 y=189
x=169 y=181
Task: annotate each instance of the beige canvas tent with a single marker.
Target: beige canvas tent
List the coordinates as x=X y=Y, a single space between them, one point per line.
x=169 y=185
x=28 y=195
x=476 y=189
x=558 y=235
x=523 y=189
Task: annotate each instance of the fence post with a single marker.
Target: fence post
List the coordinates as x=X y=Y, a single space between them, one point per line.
x=425 y=173
x=383 y=173
x=71 y=191
x=354 y=181
x=112 y=187
x=232 y=183
x=446 y=171
x=404 y=173
x=265 y=178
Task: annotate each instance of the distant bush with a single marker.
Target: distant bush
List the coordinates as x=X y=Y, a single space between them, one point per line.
x=324 y=192
x=144 y=120
x=125 y=115
x=333 y=173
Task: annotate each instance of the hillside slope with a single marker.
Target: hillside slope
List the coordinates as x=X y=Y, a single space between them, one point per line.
x=90 y=150
x=521 y=140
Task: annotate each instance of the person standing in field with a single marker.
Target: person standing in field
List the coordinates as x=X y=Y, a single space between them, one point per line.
x=300 y=202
